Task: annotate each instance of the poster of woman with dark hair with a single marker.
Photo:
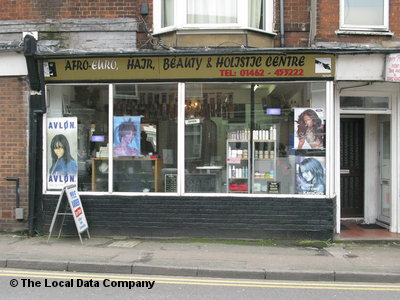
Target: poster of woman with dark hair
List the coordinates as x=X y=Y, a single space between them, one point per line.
x=127 y=136
x=62 y=161
x=62 y=152
x=309 y=128
x=310 y=175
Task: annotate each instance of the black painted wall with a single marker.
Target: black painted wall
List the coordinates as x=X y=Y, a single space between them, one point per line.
x=219 y=217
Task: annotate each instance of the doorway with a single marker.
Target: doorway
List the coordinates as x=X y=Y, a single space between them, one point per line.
x=352 y=167
x=365 y=168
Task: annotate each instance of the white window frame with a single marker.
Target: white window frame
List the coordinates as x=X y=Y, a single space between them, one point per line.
x=180 y=17
x=330 y=179
x=366 y=27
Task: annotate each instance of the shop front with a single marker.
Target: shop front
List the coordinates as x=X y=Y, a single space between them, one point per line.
x=193 y=144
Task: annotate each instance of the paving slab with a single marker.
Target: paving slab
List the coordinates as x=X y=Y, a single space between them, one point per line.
x=344 y=261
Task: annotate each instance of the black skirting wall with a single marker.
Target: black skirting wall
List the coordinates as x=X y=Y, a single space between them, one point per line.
x=218 y=217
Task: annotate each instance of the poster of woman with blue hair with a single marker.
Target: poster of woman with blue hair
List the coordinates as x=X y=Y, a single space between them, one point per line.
x=127 y=136
x=310 y=175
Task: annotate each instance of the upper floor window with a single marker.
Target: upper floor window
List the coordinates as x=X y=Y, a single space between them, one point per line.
x=364 y=14
x=211 y=12
x=172 y=14
x=257 y=14
x=167 y=16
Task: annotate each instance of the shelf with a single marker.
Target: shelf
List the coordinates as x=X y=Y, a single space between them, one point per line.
x=238 y=164
x=235 y=158
x=263 y=141
x=263 y=166
x=237 y=141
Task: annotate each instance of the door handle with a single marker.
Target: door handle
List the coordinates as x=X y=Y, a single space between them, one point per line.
x=385 y=182
x=344 y=171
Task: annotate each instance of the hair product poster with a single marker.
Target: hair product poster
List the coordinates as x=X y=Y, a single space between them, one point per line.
x=127 y=136
x=310 y=175
x=62 y=152
x=309 y=128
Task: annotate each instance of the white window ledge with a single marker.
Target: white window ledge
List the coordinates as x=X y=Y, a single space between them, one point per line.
x=360 y=32
x=210 y=30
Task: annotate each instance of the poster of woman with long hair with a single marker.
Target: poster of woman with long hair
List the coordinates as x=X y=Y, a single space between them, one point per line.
x=309 y=131
x=62 y=143
x=310 y=175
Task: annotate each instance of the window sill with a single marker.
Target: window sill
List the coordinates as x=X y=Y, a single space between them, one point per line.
x=362 y=32
x=210 y=30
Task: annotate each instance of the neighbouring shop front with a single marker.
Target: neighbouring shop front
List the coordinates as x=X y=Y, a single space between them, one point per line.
x=193 y=144
x=367 y=122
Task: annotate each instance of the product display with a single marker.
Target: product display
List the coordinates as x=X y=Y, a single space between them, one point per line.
x=263 y=164
x=238 y=162
x=251 y=172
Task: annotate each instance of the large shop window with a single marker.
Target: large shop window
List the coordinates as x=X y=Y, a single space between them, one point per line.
x=255 y=138
x=77 y=135
x=145 y=137
x=242 y=138
x=141 y=137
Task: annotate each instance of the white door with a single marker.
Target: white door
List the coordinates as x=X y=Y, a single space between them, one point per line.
x=384 y=203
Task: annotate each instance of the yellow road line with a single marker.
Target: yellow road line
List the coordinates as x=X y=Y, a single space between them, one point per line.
x=194 y=281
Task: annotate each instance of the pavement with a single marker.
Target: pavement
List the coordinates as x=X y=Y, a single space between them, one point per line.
x=271 y=260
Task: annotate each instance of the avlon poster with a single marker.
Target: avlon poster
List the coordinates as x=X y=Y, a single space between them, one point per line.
x=62 y=152
x=309 y=128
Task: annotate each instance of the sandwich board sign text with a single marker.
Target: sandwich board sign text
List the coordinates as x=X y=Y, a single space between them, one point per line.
x=75 y=204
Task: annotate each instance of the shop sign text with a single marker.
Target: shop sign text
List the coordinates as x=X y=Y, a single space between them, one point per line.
x=192 y=67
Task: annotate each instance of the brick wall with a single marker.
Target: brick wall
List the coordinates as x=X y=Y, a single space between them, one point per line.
x=145 y=26
x=13 y=150
x=50 y=10
x=221 y=217
x=66 y=9
x=297 y=23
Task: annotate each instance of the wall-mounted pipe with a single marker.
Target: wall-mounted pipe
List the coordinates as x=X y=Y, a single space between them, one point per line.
x=36 y=84
x=282 y=22
x=19 y=212
x=313 y=22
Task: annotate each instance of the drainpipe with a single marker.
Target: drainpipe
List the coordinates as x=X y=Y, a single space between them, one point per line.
x=282 y=4
x=313 y=22
x=36 y=107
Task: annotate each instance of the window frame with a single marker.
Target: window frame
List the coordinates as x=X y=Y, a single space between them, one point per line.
x=366 y=27
x=181 y=89
x=180 y=17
